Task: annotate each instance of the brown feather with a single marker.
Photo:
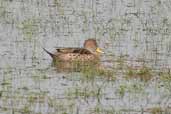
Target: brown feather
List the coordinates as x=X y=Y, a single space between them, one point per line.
x=74 y=50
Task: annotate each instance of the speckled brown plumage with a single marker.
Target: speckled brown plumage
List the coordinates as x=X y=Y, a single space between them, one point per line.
x=88 y=53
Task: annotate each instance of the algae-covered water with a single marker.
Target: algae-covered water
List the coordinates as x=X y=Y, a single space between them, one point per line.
x=134 y=34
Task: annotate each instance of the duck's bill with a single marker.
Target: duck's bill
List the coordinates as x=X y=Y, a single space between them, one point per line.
x=99 y=50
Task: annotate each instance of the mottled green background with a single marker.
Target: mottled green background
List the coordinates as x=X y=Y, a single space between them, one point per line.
x=132 y=32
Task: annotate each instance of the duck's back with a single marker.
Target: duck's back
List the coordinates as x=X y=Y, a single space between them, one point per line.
x=73 y=50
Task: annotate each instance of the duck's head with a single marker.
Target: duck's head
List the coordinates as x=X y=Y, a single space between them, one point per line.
x=92 y=46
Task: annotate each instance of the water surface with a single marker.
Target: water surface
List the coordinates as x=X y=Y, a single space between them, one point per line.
x=134 y=34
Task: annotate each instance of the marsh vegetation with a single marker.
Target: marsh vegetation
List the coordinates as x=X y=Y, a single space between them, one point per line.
x=135 y=35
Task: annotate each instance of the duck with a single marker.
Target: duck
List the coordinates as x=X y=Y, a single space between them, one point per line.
x=89 y=53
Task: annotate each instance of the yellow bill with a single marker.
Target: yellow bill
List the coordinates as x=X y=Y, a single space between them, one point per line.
x=99 y=50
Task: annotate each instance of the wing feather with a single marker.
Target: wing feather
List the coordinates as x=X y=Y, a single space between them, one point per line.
x=74 y=50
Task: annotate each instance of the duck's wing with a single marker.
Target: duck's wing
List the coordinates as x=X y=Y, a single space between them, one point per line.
x=66 y=50
x=74 y=50
x=82 y=51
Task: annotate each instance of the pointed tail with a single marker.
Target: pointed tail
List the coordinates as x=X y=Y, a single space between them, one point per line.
x=52 y=55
